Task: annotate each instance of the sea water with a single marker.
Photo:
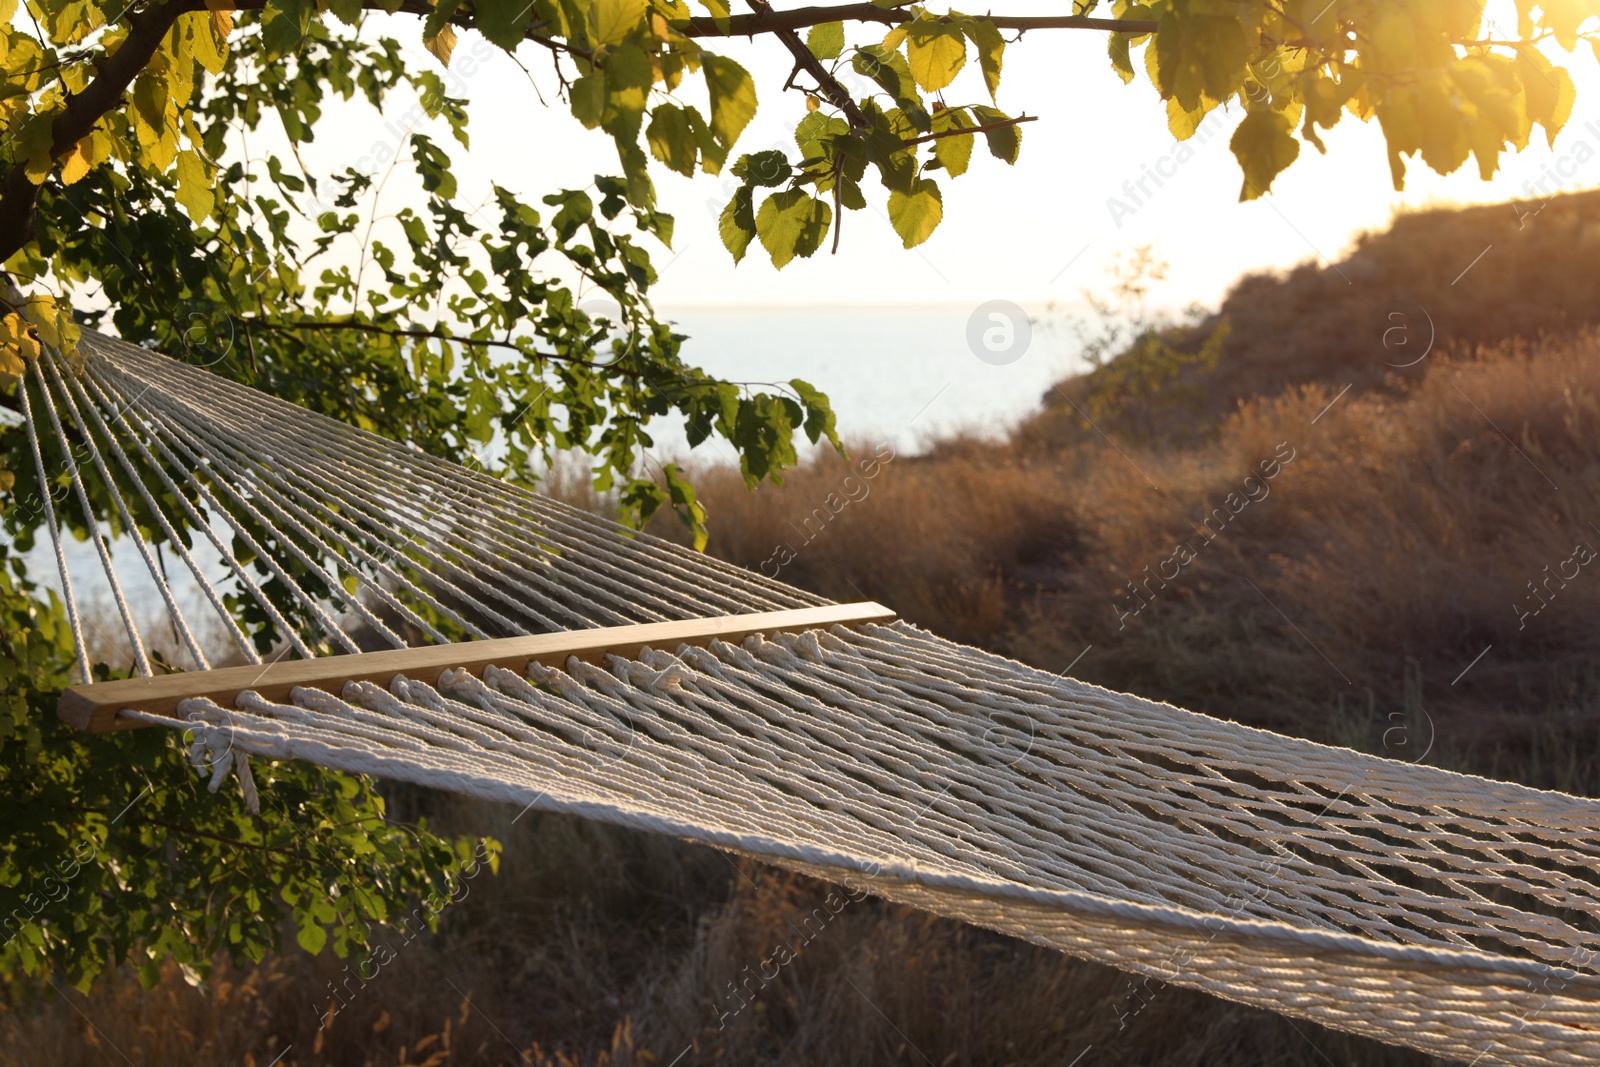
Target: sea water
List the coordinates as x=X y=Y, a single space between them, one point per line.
x=905 y=375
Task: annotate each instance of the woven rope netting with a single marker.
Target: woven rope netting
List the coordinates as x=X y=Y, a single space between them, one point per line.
x=1420 y=907
x=336 y=539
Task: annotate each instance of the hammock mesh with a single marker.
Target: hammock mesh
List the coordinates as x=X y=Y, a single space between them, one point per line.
x=1420 y=907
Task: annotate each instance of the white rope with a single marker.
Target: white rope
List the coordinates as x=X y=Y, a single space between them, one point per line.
x=213 y=597
x=569 y=531
x=243 y=490
x=316 y=503
x=370 y=572
x=1409 y=904
x=157 y=574
x=1423 y=908
x=135 y=639
x=184 y=424
x=199 y=521
x=81 y=668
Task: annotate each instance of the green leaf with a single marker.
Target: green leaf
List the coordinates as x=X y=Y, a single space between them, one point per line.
x=891 y=72
x=194 y=185
x=713 y=153
x=280 y=35
x=733 y=97
x=311 y=936
x=1005 y=142
x=935 y=52
x=769 y=168
x=442 y=43
x=1443 y=141
x=792 y=223
x=1121 y=61
x=149 y=100
x=737 y=223
x=820 y=420
x=433 y=167
x=1181 y=123
x=502 y=22
x=1264 y=144
x=850 y=194
x=687 y=505
x=589 y=98
x=628 y=79
x=954 y=153
x=1200 y=56
x=815 y=129
x=672 y=139
x=611 y=21
x=1324 y=98
x=826 y=40
x=1562 y=18
x=36 y=139
x=886 y=150
x=916 y=215
x=991 y=48
x=576 y=209
x=1549 y=90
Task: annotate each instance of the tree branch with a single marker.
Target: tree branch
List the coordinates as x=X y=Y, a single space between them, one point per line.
x=766 y=20
x=192 y=832
x=971 y=129
x=329 y=325
x=804 y=60
x=19 y=195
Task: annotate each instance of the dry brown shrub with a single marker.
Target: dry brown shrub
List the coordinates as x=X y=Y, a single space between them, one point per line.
x=1384 y=558
x=942 y=537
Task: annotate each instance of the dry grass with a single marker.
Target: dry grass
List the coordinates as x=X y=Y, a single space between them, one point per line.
x=936 y=538
x=1382 y=559
x=1353 y=321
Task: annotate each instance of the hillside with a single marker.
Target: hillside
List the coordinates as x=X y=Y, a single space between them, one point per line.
x=1339 y=572
x=1460 y=278
x=1406 y=526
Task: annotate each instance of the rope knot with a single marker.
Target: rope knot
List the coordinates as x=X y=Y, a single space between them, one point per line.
x=212 y=749
x=808 y=646
x=663 y=679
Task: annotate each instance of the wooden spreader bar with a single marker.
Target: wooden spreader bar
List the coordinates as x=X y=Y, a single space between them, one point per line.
x=93 y=708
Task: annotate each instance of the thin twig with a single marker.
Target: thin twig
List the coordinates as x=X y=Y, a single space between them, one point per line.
x=767 y=20
x=805 y=60
x=423 y=335
x=972 y=129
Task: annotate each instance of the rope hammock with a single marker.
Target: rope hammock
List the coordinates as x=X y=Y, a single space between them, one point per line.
x=408 y=618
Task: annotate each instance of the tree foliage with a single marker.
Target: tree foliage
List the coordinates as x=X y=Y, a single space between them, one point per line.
x=135 y=193
x=114 y=852
x=1139 y=377
x=94 y=85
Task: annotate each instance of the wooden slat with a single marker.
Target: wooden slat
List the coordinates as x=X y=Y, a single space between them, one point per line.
x=93 y=708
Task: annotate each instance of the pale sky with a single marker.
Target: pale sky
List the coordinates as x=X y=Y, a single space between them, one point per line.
x=1034 y=233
